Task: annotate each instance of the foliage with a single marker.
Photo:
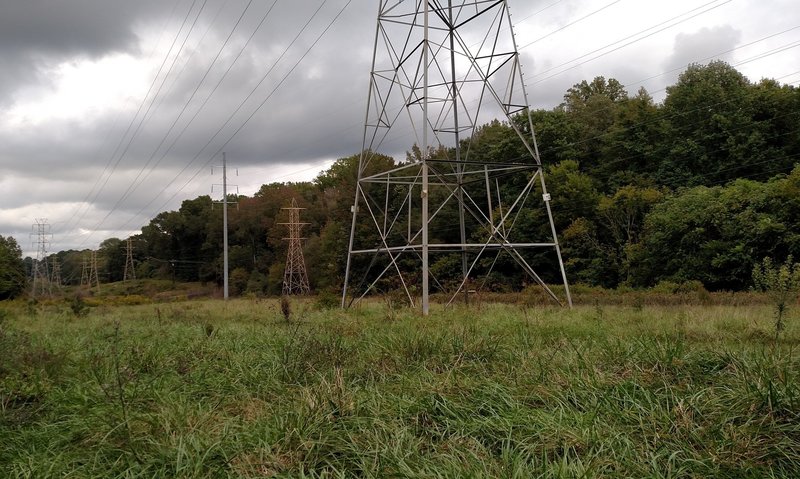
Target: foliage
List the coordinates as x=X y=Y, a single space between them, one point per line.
x=12 y=269
x=78 y=306
x=694 y=188
x=781 y=282
x=713 y=235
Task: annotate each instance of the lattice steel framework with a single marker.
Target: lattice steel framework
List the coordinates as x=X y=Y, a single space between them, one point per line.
x=130 y=269
x=94 y=277
x=41 y=275
x=55 y=274
x=439 y=71
x=85 y=271
x=295 y=278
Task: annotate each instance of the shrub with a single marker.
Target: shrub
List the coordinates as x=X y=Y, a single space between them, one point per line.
x=327 y=299
x=781 y=283
x=78 y=306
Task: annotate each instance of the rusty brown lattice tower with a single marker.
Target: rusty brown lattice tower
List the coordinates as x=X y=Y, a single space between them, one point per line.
x=295 y=277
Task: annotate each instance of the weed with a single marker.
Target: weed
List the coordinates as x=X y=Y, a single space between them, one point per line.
x=781 y=283
x=32 y=307
x=78 y=306
x=115 y=387
x=638 y=302
x=286 y=308
x=599 y=312
x=327 y=299
x=395 y=301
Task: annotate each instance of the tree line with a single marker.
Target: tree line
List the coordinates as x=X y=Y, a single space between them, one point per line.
x=700 y=187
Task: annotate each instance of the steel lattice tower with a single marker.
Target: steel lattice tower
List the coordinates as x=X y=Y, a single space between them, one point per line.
x=85 y=272
x=55 y=275
x=94 y=278
x=439 y=71
x=295 y=278
x=130 y=271
x=41 y=275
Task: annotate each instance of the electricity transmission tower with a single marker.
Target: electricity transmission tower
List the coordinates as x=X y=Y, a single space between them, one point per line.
x=439 y=71
x=295 y=279
x=130 y=271
x=85 y=272
x=55 y=275
x=41 y=276
x=93 y=277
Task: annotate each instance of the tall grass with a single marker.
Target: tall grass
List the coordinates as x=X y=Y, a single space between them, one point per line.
x=506 y=391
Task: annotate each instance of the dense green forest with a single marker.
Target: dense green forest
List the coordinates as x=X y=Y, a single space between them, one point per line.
x=699 y=187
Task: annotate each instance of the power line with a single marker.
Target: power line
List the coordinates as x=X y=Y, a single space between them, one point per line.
x=717 y=55
x=595 y=12
x=230 y=117
x=144 y=116
x=252 y=114
x=136 y=183
x=660 y=74
x=633 y=36
x=539 y=11
x=152 y=102
x=197 y=112
x=133 y=119
x=194 y=51
x=234 y=135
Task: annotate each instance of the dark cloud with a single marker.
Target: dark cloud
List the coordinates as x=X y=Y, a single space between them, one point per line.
x=90 y=27
x=37 y=33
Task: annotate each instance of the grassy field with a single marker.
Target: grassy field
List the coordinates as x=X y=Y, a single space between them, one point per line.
x=206 y=389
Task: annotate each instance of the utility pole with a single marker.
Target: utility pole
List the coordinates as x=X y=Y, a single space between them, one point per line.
x=224 y=222
x=41 y=277
x=295 y=278
x=130 y=271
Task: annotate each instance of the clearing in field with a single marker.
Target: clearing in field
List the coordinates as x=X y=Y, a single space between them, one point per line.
x=203 y=389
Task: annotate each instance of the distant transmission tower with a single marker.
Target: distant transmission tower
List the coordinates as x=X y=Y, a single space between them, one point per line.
x=295 y=279
x=55 y=275
x=439 y=71
x=130 y=271
x=94 y=278
x=41 y=276
x=85 y=272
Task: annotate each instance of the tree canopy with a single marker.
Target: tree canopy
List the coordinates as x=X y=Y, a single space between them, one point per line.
x=12 y=269
x=698 y=187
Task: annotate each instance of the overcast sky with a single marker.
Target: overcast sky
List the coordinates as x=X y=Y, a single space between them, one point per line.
x=112 y=111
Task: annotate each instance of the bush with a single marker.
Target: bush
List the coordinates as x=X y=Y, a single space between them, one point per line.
x=237 y=281
x=781 y=283
x=327 y=299
x=78 y=306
